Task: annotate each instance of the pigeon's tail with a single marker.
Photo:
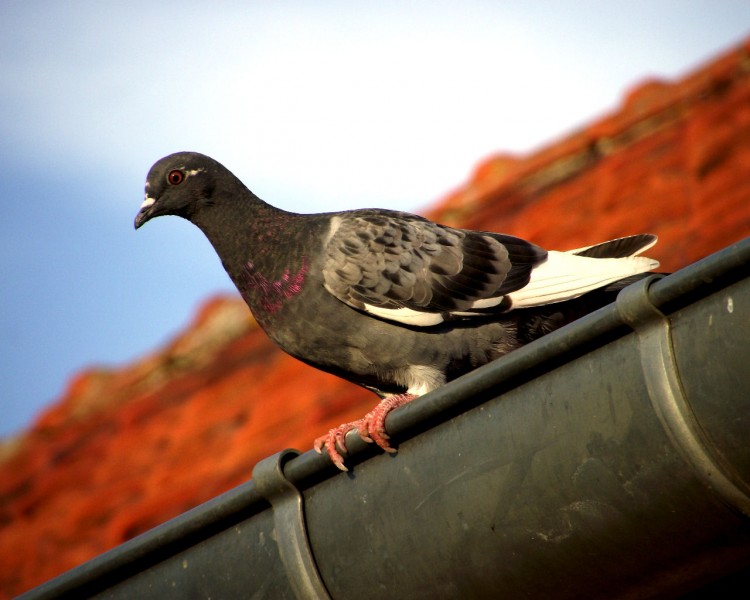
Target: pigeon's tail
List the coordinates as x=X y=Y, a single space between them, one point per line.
x=568 y=275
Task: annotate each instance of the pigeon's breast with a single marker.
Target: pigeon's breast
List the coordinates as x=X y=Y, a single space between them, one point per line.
x=267 y=295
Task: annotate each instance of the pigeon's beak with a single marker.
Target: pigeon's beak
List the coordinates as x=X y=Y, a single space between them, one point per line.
x=146 y=212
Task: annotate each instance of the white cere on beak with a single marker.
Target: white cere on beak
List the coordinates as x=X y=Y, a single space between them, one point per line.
x=148 y=202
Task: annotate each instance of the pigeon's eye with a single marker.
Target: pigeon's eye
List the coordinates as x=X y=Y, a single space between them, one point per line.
x=175 y=177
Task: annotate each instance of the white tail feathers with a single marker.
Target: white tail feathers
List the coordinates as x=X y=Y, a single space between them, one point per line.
x=564 y=276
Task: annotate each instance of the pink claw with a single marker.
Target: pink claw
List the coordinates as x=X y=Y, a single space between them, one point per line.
x=371 y=429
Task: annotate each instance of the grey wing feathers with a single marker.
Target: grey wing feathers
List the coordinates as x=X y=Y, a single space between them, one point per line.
x=393 y=264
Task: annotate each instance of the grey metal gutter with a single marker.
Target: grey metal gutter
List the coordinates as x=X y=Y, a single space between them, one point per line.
x=610 y=459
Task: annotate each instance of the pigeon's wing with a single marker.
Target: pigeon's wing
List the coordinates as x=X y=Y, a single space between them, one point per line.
x=403 y=268
x=623 y=247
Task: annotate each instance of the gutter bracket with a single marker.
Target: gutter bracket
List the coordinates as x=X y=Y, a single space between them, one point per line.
x=662 y=378
x=289 y=525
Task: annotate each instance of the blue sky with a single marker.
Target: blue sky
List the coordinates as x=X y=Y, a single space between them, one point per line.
x=316 y=106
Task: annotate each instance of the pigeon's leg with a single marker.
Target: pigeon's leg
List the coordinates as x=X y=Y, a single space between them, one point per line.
x=371 y=428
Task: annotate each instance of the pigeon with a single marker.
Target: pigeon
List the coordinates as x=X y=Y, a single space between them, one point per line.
x=388 y=300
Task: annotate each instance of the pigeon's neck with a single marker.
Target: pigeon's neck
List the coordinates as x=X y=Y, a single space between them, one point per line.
x=262 y=249
x=245 y=230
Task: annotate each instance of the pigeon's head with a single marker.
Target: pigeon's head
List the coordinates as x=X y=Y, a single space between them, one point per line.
x=179 y=184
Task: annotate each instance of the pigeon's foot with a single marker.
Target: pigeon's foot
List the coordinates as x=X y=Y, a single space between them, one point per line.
x=334 y=441
x=371 y=428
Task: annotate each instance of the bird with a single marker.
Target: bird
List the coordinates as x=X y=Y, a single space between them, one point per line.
x=388 y=300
